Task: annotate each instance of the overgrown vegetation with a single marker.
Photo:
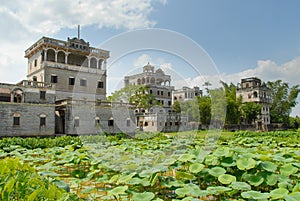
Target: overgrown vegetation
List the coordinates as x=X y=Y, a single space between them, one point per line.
x=182 y=166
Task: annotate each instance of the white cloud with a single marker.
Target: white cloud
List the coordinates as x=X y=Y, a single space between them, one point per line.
x=166 y=67
x=23 y=22
x=142 y=61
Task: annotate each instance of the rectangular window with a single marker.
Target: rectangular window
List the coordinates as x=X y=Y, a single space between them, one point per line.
x=71 y=81
x=162 y=93
x=100 y=85
x=83 y=82
x=97 y=122
x=53 y=78
x=169 y=103
x=157 y=92
x=128 y=122
x=43 y=95
x=35 y=63
x=42 y=121
x=146 y=123
x=169 y=94
x=76 y=122
x=170 y=123
x=16 y=121
x=111 y=122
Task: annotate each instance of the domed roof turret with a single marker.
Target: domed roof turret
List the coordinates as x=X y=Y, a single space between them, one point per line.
x=160 y=71
x=148 y=68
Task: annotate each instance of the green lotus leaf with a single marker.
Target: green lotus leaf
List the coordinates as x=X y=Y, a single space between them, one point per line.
x=226 y=178
x=228 y=162
x=62 y=184
x=216 y=171
x=217 y=190
x=190 y=199
x=245 y=163
x=253 y=180
x=296 y=188
x=241 y=186
x=278 y=193
x=222 y=151
x=271 y=179
x=49 y=174
x=181 y=192
x=184 y=176
x=255 y=195
x=138 y=181
x=196 y=167
x=211 y=160
x=125 y=178
x=288 y=169
x=145 y=196
x=118 y=190
x=269 y=166
x=186 y=157
x=292 y=197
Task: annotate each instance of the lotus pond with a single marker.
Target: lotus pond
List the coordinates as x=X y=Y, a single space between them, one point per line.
x=187 y=166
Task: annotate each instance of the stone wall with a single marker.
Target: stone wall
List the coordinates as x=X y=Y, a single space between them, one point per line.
x=30 y=115
x=90 y=119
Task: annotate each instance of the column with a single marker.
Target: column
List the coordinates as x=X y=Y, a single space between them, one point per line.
x=45 y=54
x=89 y=61
x=56 y=56
x=66 y=57
x=104 y=66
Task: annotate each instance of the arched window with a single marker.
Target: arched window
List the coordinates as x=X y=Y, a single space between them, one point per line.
x=76 y=121
x=42 y=120
x=97 y=121
x=111 y=121
x=93 y=63
x=16 y=119
x=255 y=94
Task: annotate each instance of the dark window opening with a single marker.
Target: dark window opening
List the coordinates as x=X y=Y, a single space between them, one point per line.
x=43 y=95
x=111 y=122
x=35 y=63
x=76 y=122
x=53 y=79
x=71 y=81
x=146 y=123
x=100 y=85
x=169 y=94
x=42 y=121
x=97 y=122
x=176 y=123
x=150 y=91
x=169 y=103
x=83 y=82
x=16 y=121
x=128 y=122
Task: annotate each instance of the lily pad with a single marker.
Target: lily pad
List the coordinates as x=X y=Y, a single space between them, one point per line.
x=255 y=195
x=288 y=169
x=118 y=190
x=278 y=193
x=145 y=196
x=245 y=163
x=196 y=167
x=216 y=171
x=226 y=178
x=269 y=166
x=241 y=186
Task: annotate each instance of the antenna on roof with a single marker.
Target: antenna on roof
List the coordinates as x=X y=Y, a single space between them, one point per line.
x=78 y=31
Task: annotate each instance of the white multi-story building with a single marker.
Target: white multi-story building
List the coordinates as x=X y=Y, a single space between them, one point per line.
x=254 y=90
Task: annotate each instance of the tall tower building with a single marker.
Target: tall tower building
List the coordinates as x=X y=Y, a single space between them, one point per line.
x=72 y=67
x=158 y=83
x=254 y=90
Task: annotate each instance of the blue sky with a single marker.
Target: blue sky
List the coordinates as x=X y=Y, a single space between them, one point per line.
x=243 y=38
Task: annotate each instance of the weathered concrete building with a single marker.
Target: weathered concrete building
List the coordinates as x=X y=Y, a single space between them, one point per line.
x=72 y=67
x=254 y=90
x=186 y=93
x=27 y=109
x=158 y=83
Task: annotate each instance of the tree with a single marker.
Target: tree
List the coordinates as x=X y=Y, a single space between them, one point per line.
x=207 y=84
x=233 y=104
x=204 y=109
x=250 y=111
x=284 y=99
x=176 y=106
x=134 y=94
x=191 y=109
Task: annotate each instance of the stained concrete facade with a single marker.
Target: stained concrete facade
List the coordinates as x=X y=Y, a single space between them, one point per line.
x=186 y=93
x=27 y=109
x=158 y=83
x=254 y=90
x=73 y=67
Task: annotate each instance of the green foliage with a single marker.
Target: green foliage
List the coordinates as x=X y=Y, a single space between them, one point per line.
x=176 y=106
x=21 y=182
x=248 y=166
x=250 y=111
x=135 y=94
x=284 y=99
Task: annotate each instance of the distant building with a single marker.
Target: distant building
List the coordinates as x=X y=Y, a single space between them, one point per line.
x=27 y=109
x=158 y=83
x=75 y=69
x=186 y=94
x=254 y=90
